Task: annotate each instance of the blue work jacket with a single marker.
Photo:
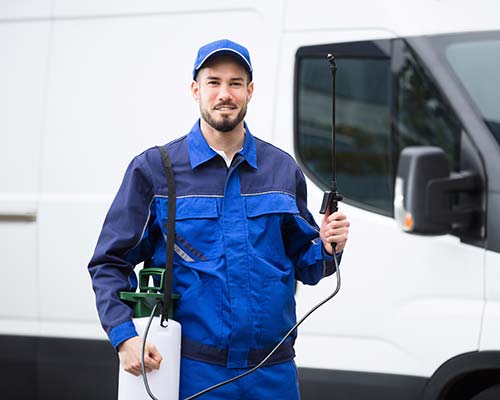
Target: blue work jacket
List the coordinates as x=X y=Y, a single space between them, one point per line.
x=243 y=235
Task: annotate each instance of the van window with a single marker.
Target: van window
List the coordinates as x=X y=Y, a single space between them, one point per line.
x=423 y=117
x=384 y=103
x=362 y=127
x=476 y=64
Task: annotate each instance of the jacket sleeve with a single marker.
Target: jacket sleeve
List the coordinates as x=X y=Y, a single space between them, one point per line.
x=302 y=242
x=123 y=243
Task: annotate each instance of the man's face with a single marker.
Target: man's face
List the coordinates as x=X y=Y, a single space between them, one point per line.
x=222 y=90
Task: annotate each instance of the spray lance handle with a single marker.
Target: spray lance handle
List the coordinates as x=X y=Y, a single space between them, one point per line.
x=332 y=197
x=330 y=201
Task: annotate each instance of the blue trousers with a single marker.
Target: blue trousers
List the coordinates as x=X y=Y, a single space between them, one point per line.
x=274 y=382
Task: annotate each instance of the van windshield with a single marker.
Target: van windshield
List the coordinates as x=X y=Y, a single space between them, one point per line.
x=475 y=60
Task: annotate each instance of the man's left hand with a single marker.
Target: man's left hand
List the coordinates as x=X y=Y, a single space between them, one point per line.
x=334 y=229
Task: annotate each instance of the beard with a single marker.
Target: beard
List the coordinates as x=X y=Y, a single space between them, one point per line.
x=225 y=123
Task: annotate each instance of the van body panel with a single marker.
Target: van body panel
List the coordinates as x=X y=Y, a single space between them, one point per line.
x=114 y=8
x=25 y=9
x=22 y=106
x=412 y=18
x=490 y=339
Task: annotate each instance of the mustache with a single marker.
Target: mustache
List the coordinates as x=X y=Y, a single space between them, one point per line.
x=225 y=104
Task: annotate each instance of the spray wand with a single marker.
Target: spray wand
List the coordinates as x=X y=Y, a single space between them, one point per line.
x=332 y=197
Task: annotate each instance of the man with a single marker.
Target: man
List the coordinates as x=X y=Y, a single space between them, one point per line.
x=243 y=235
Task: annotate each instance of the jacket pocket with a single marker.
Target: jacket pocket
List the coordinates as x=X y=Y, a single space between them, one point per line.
x=265 y=214
x=200 y=312
x=277 y=313
x=197 y=207
x=270 y=203
x=198 y=233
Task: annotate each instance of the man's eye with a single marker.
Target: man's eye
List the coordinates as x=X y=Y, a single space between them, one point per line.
x=213 y=83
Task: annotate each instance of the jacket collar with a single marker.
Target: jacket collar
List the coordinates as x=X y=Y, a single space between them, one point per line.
x=200 y=152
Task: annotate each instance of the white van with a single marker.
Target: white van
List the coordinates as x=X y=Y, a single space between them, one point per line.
x=87 y=84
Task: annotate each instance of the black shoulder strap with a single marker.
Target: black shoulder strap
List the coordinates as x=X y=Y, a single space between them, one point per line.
x=169 y=256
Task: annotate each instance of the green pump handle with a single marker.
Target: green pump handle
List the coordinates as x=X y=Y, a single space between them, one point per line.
x=144 y=300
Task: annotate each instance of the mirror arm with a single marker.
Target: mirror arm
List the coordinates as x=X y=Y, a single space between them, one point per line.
x=439 y=201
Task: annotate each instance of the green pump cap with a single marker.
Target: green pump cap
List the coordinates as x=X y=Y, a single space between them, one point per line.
x=143 y=301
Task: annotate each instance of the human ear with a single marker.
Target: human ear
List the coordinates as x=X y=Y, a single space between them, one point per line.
x=195 y=91
x=249 y=91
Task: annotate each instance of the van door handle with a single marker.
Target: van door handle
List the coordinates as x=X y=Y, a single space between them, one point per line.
x=4 y=217
x=22 y=211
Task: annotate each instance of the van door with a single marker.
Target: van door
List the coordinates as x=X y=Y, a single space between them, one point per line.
x=22 y=78
x=24 y=49
x=408 y=302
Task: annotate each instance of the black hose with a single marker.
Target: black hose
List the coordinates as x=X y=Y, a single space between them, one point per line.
x=143 y=367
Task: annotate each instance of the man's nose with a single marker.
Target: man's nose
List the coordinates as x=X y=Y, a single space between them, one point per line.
x=225 y=92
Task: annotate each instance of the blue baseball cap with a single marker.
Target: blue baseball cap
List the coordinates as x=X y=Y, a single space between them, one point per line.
x=220 y=47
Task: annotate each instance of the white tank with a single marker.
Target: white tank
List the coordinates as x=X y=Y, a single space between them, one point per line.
x=164 y=382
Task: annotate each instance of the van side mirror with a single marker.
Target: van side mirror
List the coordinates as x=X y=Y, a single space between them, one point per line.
x=425 y=192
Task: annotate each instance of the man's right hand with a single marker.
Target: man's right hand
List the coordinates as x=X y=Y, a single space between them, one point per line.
x=129 y=353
